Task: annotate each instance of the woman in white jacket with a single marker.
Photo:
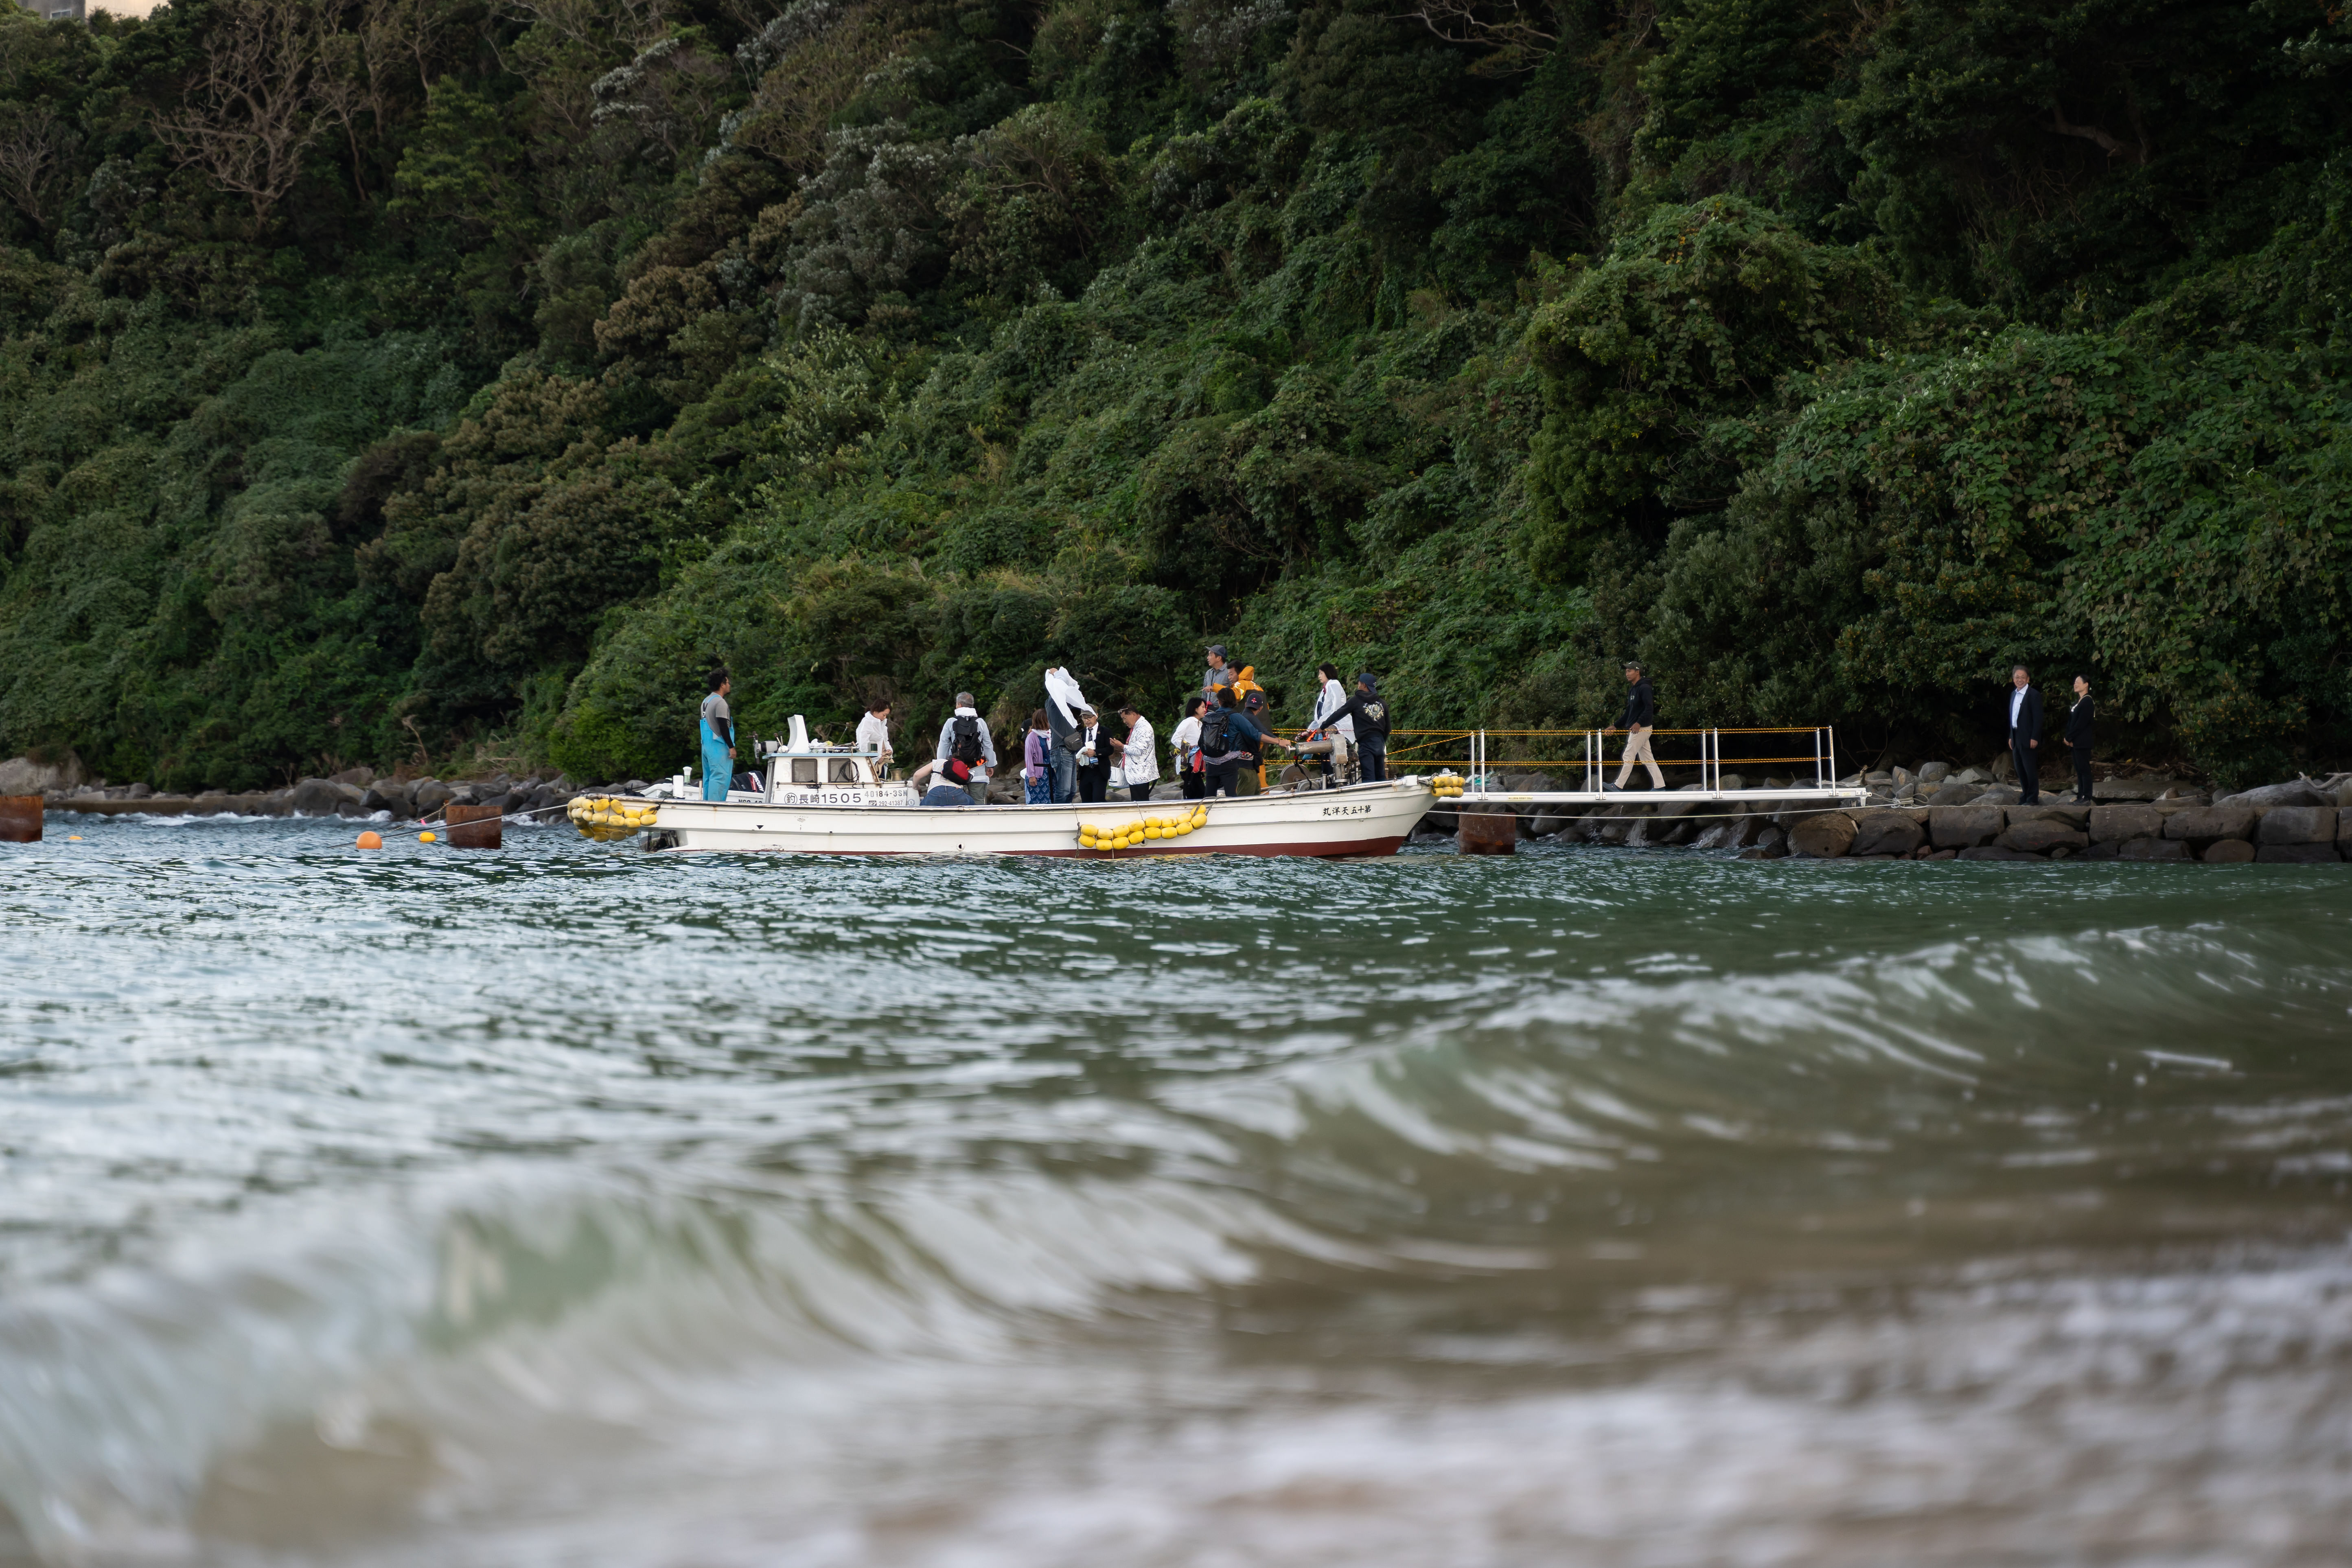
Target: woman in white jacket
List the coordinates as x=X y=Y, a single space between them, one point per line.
x=1140 y=764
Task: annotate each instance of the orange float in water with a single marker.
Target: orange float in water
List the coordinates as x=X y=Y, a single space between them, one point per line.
x=371 y=840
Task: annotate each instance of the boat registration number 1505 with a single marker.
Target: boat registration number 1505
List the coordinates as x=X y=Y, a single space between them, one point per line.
x=1364 y=810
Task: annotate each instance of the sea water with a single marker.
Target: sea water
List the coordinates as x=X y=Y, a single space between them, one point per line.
x=572 y=1204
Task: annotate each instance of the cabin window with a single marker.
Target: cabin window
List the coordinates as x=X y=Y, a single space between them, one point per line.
x=804 y=769
x=845 y=771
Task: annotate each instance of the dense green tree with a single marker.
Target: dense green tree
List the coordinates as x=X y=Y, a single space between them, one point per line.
x=497 y=370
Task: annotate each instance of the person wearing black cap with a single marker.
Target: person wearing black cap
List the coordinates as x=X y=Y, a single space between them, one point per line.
x=1641 y=714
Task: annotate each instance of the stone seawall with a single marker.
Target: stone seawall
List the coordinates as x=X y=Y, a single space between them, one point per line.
x=2293 y=827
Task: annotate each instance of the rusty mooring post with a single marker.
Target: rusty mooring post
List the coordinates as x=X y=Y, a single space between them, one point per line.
x=1488 y=833
x=20 y=819
x=474 y=826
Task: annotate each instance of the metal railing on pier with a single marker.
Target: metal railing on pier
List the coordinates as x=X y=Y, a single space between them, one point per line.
x=1808 y=753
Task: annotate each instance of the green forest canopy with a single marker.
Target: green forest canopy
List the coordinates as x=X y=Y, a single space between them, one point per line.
x=387 y=377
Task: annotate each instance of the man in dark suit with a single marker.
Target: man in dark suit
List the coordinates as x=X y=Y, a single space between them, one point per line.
x=2078 y=735
x=2025 y=734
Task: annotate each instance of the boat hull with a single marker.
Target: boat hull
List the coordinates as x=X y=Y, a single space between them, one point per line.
x=1361 y=820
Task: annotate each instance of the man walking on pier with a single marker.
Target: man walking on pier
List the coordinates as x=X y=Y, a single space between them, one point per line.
x=2025 y=734
x=1641 y=714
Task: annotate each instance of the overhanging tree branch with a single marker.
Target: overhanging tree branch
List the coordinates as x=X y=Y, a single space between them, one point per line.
x=248 y=116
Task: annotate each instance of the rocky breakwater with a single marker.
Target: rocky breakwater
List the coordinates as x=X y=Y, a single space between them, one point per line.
x=1939 y=813
x=355 y=793
x=2306 y=821
x=1640 y=820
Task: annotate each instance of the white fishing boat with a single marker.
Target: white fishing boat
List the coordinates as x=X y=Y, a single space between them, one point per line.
x=834 y=800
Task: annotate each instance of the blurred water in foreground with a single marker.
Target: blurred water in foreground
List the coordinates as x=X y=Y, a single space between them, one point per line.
x=571 y=1205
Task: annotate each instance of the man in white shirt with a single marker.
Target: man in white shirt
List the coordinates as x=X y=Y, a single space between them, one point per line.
x=874 y=735
x=1139 y=761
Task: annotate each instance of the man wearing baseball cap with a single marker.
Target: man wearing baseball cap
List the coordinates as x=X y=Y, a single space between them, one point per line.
x=1641 y=714
x=1218 y=673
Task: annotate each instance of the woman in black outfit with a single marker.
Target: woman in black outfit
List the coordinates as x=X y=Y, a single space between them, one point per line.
x=2078 y=735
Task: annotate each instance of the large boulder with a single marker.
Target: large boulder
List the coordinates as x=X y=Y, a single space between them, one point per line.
x=1963 y=826
x=2113 y=824
x=2135 y=789
x=1825 y=836
x=2201 y=825
x=318 y=797
x=2228 y=852
x=1886 y=833
x=2075 y=816
x=2295 y=854
x=1996 y=852
x=387 y=794
x=1954 y=794
x=23 y=775
x=429 y=795
x=2153 y=849
x=2294 y=792
x=2042 y=836
x=2297 y=825
x=1934 y=773
x=1733 y=832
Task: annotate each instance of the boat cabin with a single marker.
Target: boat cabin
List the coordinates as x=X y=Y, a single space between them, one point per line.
x=804 y=770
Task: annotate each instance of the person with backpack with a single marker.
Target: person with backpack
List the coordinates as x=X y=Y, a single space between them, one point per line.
x=1186 y=738
x=964 y=738
x=1230 y=739
x=1036 y=760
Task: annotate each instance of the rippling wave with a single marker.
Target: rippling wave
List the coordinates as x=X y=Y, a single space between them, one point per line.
x=573 y=1204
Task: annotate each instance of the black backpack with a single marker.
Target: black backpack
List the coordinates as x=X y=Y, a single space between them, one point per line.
x=966 y=749
x=1216 y=734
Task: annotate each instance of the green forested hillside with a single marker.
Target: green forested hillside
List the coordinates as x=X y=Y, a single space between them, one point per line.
x=385 y=378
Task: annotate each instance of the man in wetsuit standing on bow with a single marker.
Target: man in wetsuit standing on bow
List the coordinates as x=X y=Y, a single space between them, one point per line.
x=718 y=739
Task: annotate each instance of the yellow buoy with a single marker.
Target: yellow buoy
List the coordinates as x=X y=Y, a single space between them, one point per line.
x=73 y=837
x=371 y=841
x=426 y=837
